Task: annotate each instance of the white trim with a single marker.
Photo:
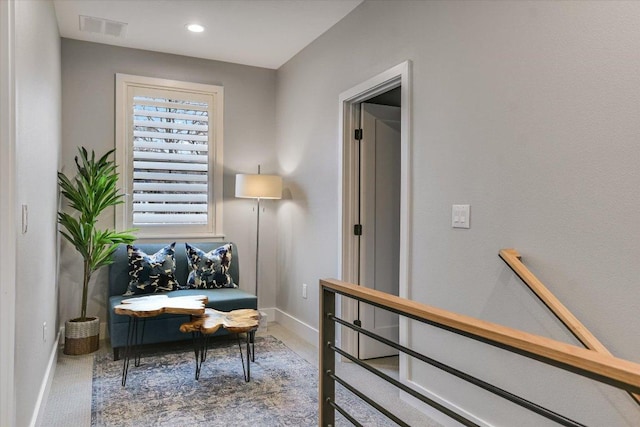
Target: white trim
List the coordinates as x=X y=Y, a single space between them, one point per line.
x=45 y=387
x=8 y=233
x=433 y=413
x=124 y=159
x=400 y=75
x=297 y=326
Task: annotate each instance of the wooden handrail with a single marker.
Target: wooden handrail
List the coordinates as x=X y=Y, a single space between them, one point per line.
x=512 y=258
x=514 y=261
x=601 y=367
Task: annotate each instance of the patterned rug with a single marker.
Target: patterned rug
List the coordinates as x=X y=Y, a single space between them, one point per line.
x=162 y=391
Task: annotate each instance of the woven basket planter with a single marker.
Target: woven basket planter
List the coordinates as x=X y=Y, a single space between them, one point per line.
x=81 y=337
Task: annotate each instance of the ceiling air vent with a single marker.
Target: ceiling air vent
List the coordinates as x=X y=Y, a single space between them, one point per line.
x=90 y=24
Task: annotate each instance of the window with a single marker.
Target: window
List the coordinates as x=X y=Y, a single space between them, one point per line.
x=169 y=155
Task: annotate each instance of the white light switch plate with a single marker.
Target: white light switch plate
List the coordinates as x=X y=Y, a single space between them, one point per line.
x=460 y=216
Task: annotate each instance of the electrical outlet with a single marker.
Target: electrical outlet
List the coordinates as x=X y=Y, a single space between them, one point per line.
x=44 y=331
x=304 y=290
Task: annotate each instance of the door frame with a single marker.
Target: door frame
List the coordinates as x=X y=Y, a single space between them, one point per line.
x=349 y=109
x=8 y=233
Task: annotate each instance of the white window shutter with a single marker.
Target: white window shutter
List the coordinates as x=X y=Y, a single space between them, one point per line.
x=170 y=145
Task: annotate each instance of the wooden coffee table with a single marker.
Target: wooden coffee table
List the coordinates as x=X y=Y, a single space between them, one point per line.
x=151 y=306
x=236 y=322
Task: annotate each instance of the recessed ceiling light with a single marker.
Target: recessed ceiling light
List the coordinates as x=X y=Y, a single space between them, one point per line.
x=195 y=28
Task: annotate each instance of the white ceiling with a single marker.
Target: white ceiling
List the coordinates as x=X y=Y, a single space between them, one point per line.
x=262 y=33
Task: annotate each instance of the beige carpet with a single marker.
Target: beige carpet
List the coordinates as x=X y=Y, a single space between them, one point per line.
x=69 y=401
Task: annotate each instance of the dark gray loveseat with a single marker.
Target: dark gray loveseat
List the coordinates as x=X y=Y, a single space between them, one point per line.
x=165 y=328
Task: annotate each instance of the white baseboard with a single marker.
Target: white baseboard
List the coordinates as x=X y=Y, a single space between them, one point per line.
x=432 y=412
x=41 y=402
x=303 y=330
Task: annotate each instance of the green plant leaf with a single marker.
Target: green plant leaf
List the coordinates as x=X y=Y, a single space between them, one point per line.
x=93 y=190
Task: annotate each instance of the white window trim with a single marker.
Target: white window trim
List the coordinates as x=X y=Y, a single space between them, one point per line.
x=124 y=157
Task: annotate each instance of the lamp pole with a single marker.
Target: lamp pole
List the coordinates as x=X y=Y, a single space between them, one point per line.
x=257 y=243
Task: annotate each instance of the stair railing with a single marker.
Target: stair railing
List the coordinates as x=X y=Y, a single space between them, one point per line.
x=597 y=366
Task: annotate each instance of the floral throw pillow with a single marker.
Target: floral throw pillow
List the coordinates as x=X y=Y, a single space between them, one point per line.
x=151 y=273
x=209 y=270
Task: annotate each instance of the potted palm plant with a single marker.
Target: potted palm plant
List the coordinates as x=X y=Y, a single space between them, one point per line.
x=89 y=193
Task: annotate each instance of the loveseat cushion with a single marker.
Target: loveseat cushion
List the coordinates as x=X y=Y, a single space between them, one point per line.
x=151 y=273
x=209 y=270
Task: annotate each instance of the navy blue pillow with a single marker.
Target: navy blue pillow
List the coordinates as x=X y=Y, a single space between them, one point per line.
x=209 y=270
x=151 y=273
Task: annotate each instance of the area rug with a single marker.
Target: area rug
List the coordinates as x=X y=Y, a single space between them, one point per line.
x=162 y=391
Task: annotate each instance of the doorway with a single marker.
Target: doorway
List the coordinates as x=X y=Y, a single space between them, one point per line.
x=379 y=219
x=355 y=263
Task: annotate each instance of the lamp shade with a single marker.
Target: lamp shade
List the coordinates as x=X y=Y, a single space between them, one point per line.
x=259 y=186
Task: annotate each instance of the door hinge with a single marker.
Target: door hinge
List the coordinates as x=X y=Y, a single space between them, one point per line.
x=358 y=134
x=358 y=323
x=357 y=230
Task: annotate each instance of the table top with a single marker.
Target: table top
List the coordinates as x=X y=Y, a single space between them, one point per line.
x=154 y=305
x=234 y=321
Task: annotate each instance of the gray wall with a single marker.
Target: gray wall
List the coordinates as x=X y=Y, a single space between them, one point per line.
x=88 y=76
x=37 y=71
x=529 y=112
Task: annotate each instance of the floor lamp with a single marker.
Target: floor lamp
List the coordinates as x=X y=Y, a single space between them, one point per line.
x=258 y=187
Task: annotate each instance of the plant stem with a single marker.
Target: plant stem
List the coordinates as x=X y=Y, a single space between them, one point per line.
x=85 y=290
